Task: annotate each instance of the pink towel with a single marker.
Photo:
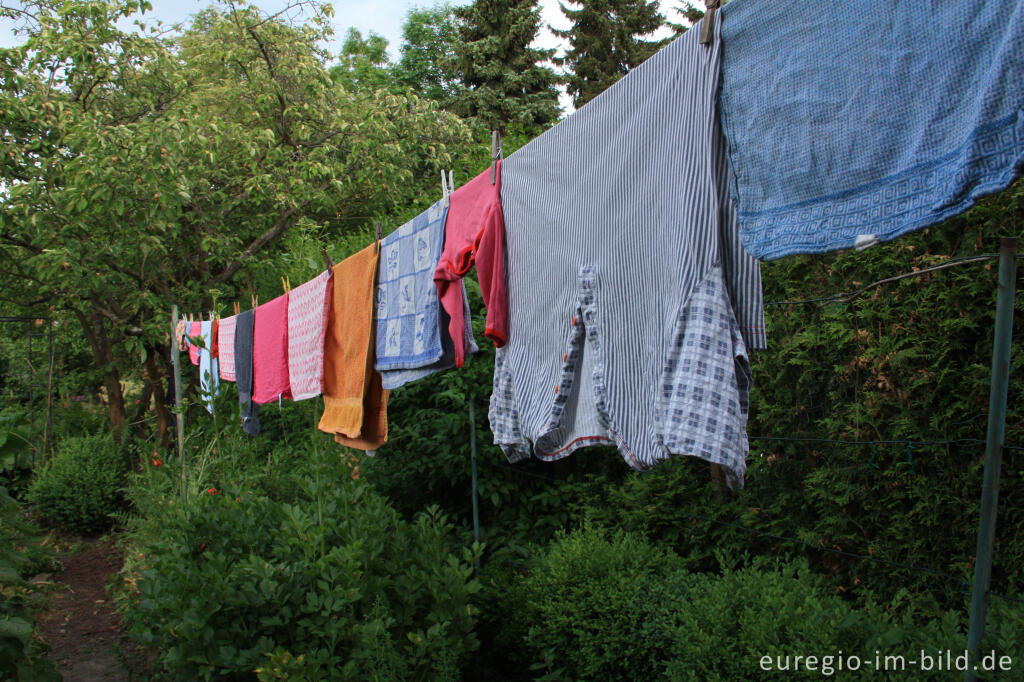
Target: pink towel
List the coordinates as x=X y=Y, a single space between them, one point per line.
x=195 y=333
x=270 y=352
x=226 y=347
x=307 y=323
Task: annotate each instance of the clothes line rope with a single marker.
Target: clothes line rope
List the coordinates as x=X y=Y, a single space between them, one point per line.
x=847 y=296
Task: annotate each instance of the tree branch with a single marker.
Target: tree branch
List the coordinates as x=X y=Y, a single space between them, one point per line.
x=282 y=223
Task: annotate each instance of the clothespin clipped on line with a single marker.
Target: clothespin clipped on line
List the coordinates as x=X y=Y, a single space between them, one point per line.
x=495 y=152
x=255 y=300
x=286 y=284
x=444 y=188
x=327 y=260
x=237 y=307
x=708 y=27
x=379 y=233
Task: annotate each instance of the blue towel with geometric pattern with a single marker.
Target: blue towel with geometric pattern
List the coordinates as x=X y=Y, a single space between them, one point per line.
x=851 y=123
x=411 y=340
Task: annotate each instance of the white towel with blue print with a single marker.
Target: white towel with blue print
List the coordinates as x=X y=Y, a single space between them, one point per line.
x=847 y=127
x=209 y=375
x=412 y=340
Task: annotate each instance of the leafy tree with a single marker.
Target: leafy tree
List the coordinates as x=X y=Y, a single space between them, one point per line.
x=427 y=62
x=507 y=88
x=605 y=42
x=144 y=170
x=363 y=63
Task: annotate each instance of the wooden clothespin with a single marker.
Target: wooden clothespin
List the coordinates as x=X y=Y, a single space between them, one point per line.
x=255 y=300
x=237 y=307
x=327 y=259
x=451 y=181
x=708 y=27
x=495 y=152
x=286 y=284
x=376 y=243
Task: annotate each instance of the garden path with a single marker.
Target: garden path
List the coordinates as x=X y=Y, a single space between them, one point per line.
x=81 y=624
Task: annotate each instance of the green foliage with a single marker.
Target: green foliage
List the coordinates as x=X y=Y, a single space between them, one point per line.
x=22 y=652
x=598 y=605
x=506 y=87
x=427 y=61
x=363 y=62
x=297 y=572
x=606 y=40
x=82 y=486
x=16 y=445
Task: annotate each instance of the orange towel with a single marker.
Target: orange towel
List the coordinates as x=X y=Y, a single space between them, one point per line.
x=355 y=404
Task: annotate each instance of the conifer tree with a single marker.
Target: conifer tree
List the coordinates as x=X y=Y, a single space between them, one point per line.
x=507 y=87
x=606 y=41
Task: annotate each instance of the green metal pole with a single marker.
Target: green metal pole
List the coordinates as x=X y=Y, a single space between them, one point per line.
x=993 y=447
x=472 y=451
x=178 y=417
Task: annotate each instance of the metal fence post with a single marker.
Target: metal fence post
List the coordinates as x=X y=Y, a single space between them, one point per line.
x=993 y=447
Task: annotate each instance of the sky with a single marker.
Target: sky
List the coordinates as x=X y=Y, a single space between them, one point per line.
x=384 y=17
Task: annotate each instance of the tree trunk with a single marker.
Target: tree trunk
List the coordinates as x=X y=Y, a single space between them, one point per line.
x=95 y=334
x=155 y=375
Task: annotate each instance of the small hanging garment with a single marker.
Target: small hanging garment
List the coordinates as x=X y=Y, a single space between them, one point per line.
x=412 y=332
x=631 y=303
x=270 y=352
x=355 y=403
x=307 y=323
x=474 y=234
x=226 y=348
x=848 y=127
x=209 y=373
x=244 y=328
x=215 y=343
x=195 y=333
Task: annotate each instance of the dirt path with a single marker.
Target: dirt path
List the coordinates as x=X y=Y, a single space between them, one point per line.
x=81 y=624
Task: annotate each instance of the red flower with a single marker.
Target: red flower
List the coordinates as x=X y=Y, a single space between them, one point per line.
x=156 y=460
x=211 y=491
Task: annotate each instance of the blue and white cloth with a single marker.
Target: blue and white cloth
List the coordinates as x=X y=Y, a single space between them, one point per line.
x=412 y=329
x=209 y=367
x=848 y=126
x=631 y=301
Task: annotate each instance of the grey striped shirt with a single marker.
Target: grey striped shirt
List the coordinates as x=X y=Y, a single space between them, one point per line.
x=631 y=301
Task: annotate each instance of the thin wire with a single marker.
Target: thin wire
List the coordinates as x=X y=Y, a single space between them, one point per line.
x=958 y=441
x=848 y=296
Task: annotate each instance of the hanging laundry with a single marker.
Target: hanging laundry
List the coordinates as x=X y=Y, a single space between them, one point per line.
x=226 y=348
x=307 y=323
x=181 y=330
x=244 y=330
x=848 y=127
x=270 y=352
x=209 y=373
x=195 y=333
x=412 y=329
x=631 y=302
x=355 y=403
x=474 y=234
x=215 y=336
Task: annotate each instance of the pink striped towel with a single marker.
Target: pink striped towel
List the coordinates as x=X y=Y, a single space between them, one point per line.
x=226 y=348
x=307 y=323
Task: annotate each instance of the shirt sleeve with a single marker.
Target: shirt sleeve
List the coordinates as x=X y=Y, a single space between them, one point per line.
x=490 y=269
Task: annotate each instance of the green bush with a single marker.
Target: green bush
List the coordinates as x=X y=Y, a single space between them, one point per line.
x=22 y=652
x=597 y=605
x=82 y=486
x=331 y=583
